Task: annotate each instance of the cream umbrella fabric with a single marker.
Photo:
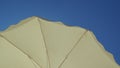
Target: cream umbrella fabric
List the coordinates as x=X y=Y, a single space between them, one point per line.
x=39 y=43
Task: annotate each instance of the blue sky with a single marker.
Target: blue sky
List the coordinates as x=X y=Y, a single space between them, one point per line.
x=100 y=16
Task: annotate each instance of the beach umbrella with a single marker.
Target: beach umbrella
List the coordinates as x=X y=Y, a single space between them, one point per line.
x=39 y=43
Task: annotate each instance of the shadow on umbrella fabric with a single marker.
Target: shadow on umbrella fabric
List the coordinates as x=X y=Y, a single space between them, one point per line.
x=39 y=43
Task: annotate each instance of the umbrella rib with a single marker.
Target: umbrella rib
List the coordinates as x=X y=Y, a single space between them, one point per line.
x=21 y=51
x=72 y=49
x=45 y=44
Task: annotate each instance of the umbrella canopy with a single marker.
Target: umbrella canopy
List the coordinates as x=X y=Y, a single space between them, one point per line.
x=39 y=43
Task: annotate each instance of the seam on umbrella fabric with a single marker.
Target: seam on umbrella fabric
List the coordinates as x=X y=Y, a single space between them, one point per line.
x=72 y=49
x=45 y=43
x=21 y=51
x=34 y=63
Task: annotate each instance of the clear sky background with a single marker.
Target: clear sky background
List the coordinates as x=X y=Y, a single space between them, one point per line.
x=100 y=16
